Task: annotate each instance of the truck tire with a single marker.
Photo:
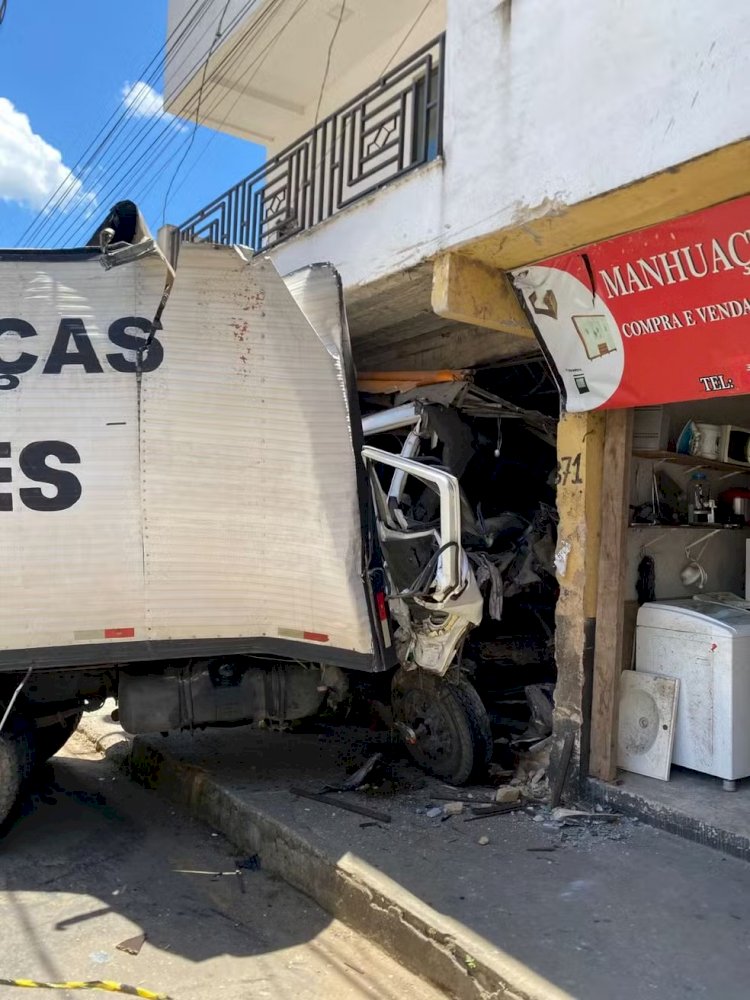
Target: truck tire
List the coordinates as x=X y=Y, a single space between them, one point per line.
x=49 y=739
x=479 y=720
x=15 y=766
x=444 y=723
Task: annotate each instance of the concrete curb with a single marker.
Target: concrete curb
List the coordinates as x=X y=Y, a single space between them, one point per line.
x=664 y=817
x=425 y=942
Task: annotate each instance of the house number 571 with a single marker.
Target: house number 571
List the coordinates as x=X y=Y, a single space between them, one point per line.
x=569 y=465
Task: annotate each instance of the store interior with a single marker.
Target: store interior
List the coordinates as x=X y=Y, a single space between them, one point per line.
x=683 y=740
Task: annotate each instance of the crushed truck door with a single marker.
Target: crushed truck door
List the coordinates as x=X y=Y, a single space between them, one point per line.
x=433 y=594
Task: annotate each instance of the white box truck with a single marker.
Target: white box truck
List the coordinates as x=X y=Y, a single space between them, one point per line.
x=193 y=520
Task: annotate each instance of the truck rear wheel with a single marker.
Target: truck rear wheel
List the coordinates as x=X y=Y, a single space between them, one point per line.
x=444 y=724
x=15 y=766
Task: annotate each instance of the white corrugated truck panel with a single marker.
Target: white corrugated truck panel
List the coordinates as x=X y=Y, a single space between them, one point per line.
x=251 y=512
x=70 y=521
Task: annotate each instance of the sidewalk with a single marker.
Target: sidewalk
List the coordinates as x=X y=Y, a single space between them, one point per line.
x=620 y=910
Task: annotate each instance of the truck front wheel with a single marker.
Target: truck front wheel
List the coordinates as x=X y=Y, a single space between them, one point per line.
x=443 y=723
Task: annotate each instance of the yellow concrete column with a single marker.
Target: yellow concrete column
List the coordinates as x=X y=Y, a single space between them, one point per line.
x=580 y=445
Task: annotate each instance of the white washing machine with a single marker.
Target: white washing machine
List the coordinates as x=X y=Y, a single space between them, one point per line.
x=707 y=646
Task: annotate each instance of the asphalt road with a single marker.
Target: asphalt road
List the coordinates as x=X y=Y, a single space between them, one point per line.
x=95 y=860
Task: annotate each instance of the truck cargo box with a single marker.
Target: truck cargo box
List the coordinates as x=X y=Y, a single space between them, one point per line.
x=180 y=487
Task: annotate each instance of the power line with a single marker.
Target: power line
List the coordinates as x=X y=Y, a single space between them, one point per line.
x=171 y=132
x=407 y=36
x=69 y=183
x=256 y=65
x=126 y=119
x=171 y=122
x=328 y=59
x=211 y=48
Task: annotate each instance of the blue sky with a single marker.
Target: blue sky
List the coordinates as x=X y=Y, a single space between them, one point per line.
x=64 y=69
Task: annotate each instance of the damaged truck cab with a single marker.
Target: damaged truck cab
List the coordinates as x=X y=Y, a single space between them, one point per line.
x=198 y=520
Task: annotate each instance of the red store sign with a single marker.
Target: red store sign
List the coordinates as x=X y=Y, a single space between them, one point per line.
x=656 y=316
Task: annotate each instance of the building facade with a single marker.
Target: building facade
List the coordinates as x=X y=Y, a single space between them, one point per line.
x=426 y=150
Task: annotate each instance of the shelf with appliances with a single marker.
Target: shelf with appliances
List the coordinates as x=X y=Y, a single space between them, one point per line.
x=682 y=527
x=693 y=462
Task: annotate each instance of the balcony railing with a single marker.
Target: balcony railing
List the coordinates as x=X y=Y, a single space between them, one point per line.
x=388 y=130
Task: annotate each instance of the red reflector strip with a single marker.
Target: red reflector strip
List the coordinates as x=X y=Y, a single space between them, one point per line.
x=293 y=633
x=119 y=633
x=382 y=610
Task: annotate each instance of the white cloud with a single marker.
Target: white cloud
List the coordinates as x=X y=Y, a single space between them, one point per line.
x=31 y=169
x=141 y=100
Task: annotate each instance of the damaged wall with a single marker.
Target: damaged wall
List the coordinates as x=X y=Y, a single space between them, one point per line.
x=580 y=444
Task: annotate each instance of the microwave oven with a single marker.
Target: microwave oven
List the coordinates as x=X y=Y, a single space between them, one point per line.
x=734 y=445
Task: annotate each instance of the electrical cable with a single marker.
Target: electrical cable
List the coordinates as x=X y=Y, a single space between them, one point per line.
x=171 y=119
x=165 y=139
x=328 y=59
x=172 y=131
x=217 y=130
x=424 y=575
x=120 y=114
x=174 y=126
x=189 y=146
x=162 y=142
x=126 y=118
x=406 y=37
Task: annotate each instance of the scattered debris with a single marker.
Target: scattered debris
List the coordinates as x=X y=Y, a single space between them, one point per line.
x=575 y=816
x=333 y=800
x=250 y=864
x=359 y=777
x=508 y=794
x=133 y=945
x=483 y=841
x=215 y=876
x=453 y=808
x=457 y=797
x=541 y=850
x=434 y=812
x=482 y=812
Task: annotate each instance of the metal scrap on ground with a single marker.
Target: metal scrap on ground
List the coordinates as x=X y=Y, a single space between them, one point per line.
x=330 y=799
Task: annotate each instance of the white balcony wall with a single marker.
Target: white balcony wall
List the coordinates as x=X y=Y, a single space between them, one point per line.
x=548 y=105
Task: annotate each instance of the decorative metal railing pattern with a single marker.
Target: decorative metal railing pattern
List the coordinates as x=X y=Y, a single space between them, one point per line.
x=393 y=127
